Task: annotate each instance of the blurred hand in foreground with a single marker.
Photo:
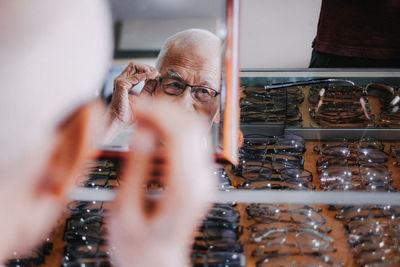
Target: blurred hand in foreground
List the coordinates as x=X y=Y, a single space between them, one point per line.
x=170 y=148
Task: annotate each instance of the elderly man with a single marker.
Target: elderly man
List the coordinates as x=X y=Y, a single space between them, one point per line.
x=188 y=71
x=54 y=55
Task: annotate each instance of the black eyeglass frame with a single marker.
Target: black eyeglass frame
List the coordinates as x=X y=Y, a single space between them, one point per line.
x=192 y=89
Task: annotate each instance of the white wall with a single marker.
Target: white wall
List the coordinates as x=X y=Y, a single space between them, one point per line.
x=150 y=34
x=274 y=33
x=277 y=33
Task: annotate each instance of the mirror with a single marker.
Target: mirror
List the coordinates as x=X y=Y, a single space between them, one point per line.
x=140 y=30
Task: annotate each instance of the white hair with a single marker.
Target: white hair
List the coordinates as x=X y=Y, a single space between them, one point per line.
x=194 y=37
x=53 y=57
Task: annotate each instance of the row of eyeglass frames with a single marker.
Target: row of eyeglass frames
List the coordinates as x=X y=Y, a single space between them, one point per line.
x=284 y=235
x=373 y=230
x=349 y=105
x=359 y=165
x=290 y=235
x=274 y=106
x=339 y=105
x=272 y=163
x=217 y=241
x=329 y=105
x=32 y=258
x=85 y=231
x=373 y=234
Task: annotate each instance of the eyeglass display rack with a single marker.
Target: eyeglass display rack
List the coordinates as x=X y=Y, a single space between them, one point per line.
x=315 y=134
x=312 y=135
x=360 y=77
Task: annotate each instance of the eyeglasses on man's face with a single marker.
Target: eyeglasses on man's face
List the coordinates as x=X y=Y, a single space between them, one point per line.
x=198 y=92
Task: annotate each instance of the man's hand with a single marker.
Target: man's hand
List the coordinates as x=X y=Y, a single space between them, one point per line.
x=170 y=148
x=121 y=107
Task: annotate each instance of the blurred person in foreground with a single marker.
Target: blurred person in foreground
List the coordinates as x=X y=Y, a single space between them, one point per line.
x=54 y=56
x=188 y=71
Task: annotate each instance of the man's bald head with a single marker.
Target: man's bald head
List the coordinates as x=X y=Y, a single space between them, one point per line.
x=53 y=57
x=193 y=57
x=195 y=41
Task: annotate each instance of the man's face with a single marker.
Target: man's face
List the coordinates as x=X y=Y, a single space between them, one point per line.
x=197 y=67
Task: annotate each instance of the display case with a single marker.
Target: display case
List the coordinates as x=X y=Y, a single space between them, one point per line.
x=318 y=189
x=302 y=194
x=307 y=127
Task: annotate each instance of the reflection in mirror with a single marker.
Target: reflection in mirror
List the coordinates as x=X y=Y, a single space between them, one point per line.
x=156 y=54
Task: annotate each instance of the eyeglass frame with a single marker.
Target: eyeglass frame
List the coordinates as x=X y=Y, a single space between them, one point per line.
x=264 y=214
x=264 y=243
x=159 y=80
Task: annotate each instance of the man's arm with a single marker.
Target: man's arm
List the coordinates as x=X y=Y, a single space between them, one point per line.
x=120 y=112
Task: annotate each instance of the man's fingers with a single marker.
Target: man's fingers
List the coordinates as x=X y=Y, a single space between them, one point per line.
x=127 y=70
x=128 y=223
x=128 y=83
x=143 y=68
x=150 y=72
x=131 y=197
x=149 y=87
x=135 y=73
x=182 y=164
x=188 y=173
x=133 y=69
x=135 y=79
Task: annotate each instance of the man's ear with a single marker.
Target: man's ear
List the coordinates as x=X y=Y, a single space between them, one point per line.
x=74 y=146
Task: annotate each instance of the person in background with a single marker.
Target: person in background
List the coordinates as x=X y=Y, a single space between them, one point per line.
x=357 y=34
x=188 y=71
x=54 y=56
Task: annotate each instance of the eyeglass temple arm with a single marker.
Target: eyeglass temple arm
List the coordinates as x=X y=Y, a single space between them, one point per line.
x=364 y=108
x=307 y=82
x=386 y=92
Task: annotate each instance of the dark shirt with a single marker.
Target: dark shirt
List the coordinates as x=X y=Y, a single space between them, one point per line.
x=359 y=28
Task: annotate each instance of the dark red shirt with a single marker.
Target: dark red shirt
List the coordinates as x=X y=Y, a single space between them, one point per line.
x=359 y=28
